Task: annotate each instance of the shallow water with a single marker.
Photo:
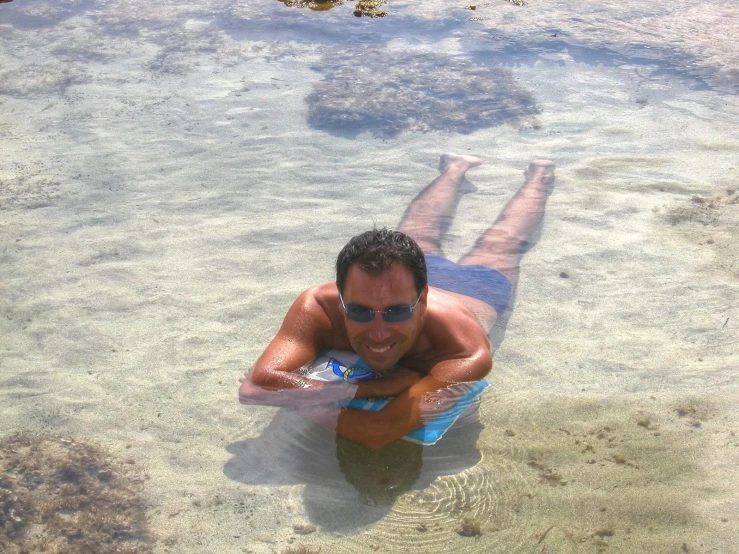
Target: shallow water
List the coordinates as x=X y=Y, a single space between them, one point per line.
x=172 y=175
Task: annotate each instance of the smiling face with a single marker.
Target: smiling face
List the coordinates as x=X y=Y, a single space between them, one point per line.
x=382 y=344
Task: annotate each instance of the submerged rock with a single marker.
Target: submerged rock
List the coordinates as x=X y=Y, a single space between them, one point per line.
x=387 y=92
x=368 y=8
x=66 y=495
x=315 y=5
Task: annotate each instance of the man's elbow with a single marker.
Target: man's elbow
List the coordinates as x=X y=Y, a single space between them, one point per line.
x=259 y=377
x=490 y=364
x=376 y=431
x=248 y=393
x=483 y=363
x=252 y=391
x=372 y=440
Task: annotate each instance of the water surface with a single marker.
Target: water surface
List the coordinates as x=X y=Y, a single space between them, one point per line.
x=173 y=174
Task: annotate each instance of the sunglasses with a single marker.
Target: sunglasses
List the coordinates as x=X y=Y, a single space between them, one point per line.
x=393 y=314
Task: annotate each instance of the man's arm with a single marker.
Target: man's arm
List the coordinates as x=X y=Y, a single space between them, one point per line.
x=417 y=405
x=321 y=393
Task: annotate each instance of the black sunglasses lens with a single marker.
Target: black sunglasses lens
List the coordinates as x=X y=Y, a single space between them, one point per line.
x=397 y=313
x=359 y=314
x=393 y=314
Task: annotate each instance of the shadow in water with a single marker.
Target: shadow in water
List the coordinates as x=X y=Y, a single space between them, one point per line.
x=334 y=27
x=485 y=46
x=387 y=92
x=494 y=46
x=275 y=24
x=38 y=14
x=59 y=494
x=348 y=485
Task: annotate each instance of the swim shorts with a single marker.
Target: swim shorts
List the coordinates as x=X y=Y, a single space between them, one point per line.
x=477 y=281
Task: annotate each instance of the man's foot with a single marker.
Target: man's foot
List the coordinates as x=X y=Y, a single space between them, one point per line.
x=457 y=161
x=541 y=171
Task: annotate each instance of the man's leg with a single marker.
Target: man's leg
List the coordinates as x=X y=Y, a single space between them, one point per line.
x=430 y=214
x=503 y=244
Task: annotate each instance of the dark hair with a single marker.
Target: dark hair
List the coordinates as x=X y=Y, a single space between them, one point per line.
x=376 y=251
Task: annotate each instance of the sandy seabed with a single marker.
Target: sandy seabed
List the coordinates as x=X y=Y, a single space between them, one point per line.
x=163 y=199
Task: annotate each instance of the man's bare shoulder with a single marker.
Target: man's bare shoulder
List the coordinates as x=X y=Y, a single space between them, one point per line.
x=449 y=311
x=484 y=314
x=321 y=302
x=451 y=331
x=324 y=297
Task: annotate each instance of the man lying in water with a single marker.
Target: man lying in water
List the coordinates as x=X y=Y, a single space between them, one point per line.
x=418 y=320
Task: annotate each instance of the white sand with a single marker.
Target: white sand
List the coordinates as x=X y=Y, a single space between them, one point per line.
x=162 y=201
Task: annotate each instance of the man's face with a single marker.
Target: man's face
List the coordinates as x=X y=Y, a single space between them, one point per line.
x=380 y=343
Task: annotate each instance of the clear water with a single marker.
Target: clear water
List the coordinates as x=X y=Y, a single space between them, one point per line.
x=173 y=174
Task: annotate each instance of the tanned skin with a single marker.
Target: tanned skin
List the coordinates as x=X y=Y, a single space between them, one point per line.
x=441 y=344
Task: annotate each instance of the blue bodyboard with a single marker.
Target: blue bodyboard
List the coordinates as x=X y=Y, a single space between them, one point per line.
x=343 y=365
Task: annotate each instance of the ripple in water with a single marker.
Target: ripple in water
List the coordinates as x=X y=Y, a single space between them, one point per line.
x=410 y=498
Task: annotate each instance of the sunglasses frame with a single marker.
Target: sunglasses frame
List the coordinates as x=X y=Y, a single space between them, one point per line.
x=383 y=312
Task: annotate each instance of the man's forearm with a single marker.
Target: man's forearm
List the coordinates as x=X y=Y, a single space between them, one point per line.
x=373 y=429
x=305 y=393
x=293 y=390
x=410 y=410
x=368 y=428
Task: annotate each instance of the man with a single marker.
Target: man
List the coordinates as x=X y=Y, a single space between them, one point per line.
x=421 y=331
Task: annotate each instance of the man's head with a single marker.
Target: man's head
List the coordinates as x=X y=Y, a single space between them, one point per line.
x=376 y=251
x=380 y=274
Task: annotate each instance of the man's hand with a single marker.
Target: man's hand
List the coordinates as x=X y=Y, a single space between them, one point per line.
x=391 y=383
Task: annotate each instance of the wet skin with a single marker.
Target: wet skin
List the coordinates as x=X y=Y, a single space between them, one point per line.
x=441 y=345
